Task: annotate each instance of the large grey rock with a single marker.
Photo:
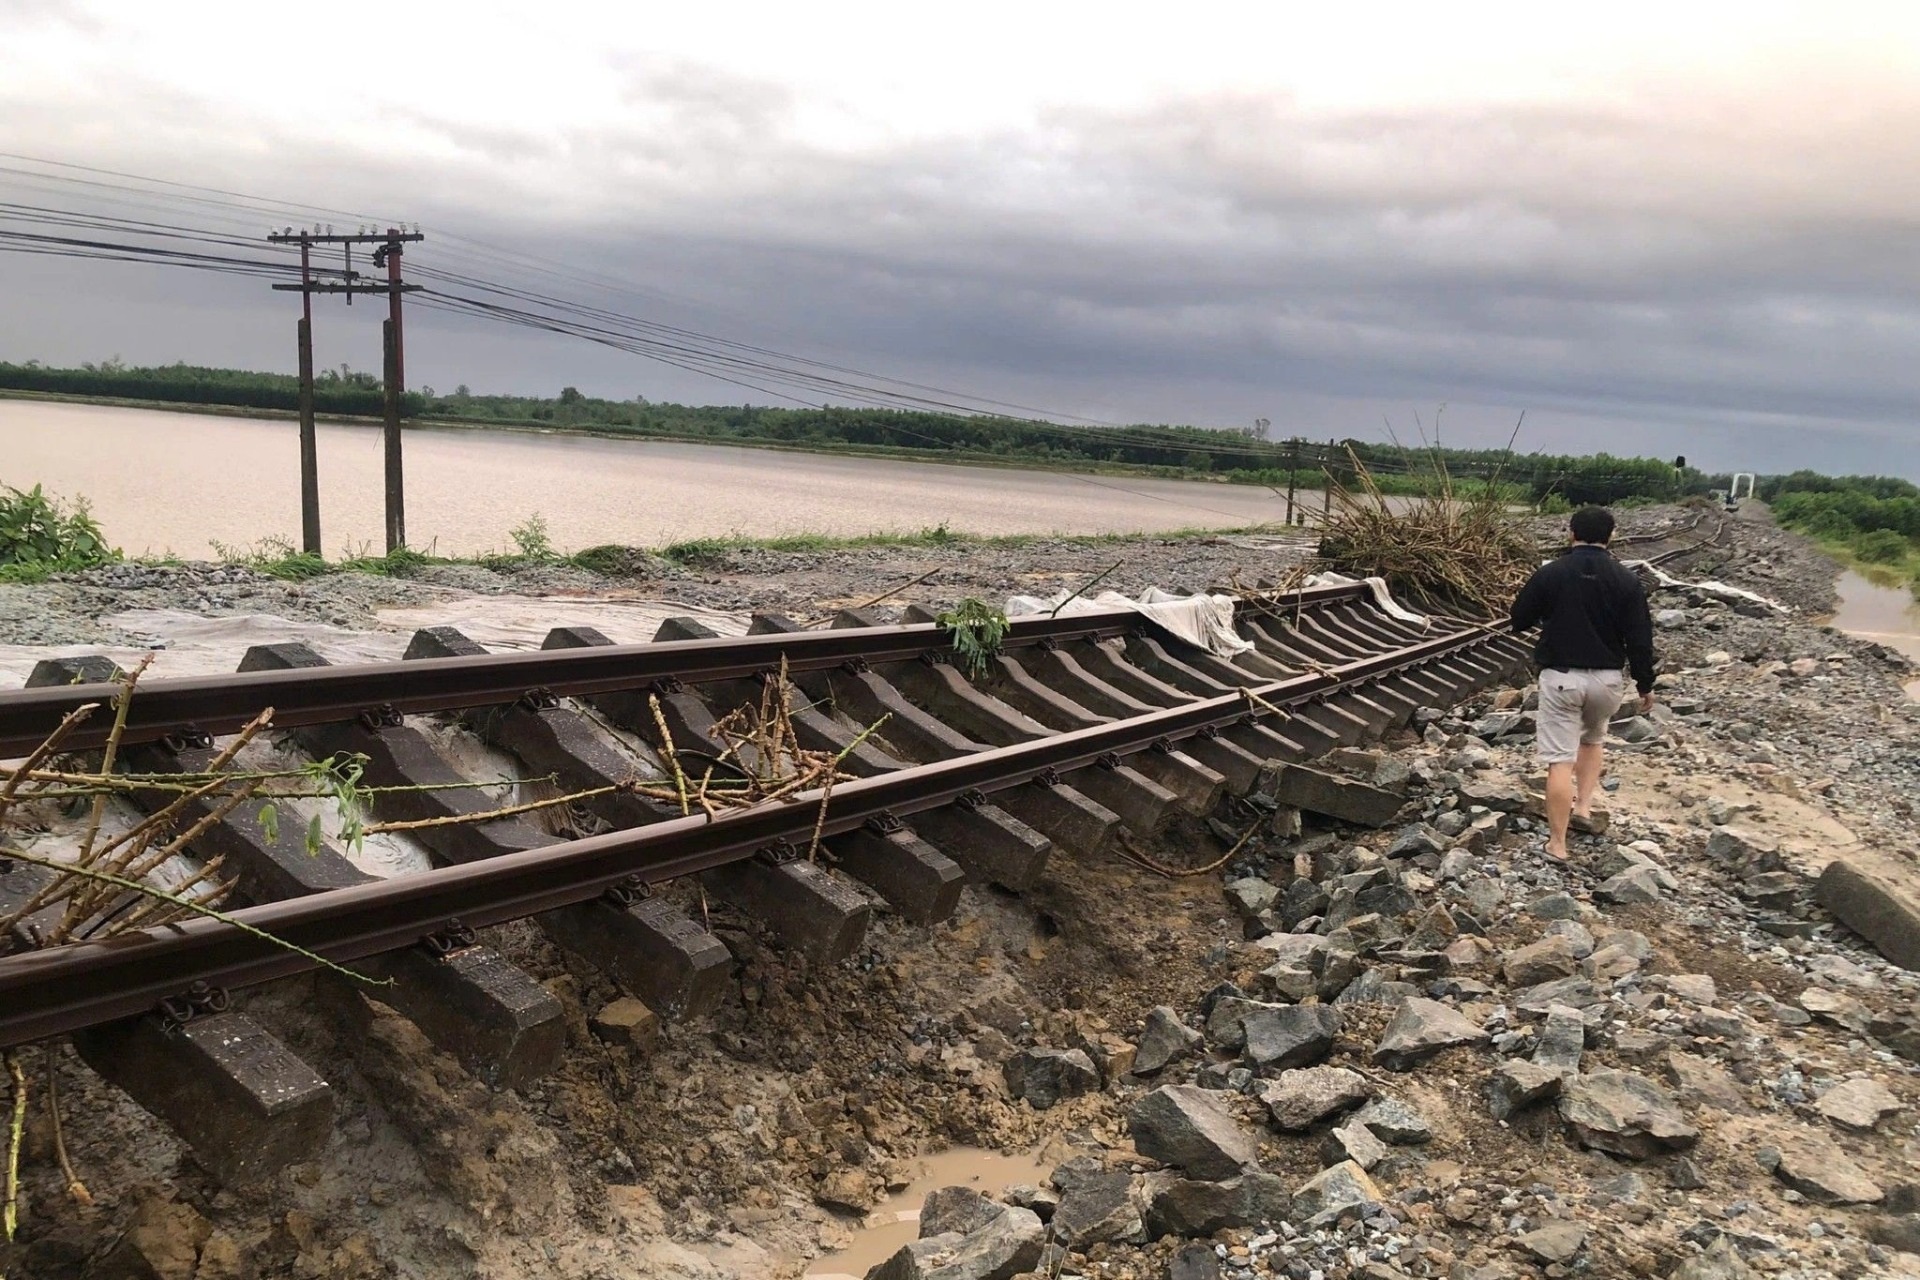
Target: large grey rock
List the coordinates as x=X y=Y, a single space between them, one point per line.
x=1811 y=1163
x=1543 y=961
x=1163 y=1039
x=1189 y=1129
x=1562 y=1040
x=1702 y=1084
x=1879 y=903
x=1100 y=1209
x=1625 y=1115
x=1252 y=897
x=1044 y=1077
x=1323 y=1198
x=1517 y=1084
x=1012 y=1242
x=1421 y=1029
x=1226 y=1019
x=1300 y=1099
x=1575 y=993
x=951 y=1210
x=1416 y=840
x=1744 y=847
x=1282 y=1036
x=1194 y=1262
x=1185 y=1207
x=1634 y=885
x=1556 y=1241
x=1394 y=1121
x=1837 y=1007
x=1858 y=1104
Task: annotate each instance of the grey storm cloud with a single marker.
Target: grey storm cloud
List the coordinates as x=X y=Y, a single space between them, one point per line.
x=1661 y=265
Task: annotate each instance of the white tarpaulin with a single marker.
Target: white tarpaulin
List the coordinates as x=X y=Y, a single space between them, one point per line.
x=1203 y=620
x=1711 y=588
x=1381 y=596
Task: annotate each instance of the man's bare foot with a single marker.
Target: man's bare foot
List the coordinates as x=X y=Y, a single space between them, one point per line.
x=1590 y=821
x=1557 y=854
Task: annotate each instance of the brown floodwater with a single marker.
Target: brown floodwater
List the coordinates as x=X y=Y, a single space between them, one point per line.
x=1889 y=615
x=897 y=1222
x=180 y=482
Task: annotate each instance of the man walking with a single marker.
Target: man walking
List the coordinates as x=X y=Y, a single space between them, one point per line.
x=1592 y=614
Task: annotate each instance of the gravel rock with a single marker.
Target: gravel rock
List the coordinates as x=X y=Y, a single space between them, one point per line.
x=1353 y=1141
x=1100 y=1209
x=1300 y=1099
x=1634 y=885
x=1814 y=1165
x=1191 y=1130
x=1624 y=1114
x=1543 y=961
x=1721 y=1261
x=1395 y=1122
x=1279 y=1037
x=1163 y=1039
x=1858 y=1104
x=1557 y=1241
x=1184 y=1207
x=1837 y=1007
x=1421 y=1029
x=1517 y=1084
x=1325 y=1196
x=951 y=1210
x=1044 y=1077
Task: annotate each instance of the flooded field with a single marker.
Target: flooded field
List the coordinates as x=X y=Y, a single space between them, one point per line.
x=1889 y=615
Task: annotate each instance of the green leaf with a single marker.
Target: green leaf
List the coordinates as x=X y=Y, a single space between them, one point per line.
x=270 y=822
x=314 y=836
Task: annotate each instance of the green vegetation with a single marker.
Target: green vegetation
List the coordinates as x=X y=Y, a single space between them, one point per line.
x=1872 y=521
x=1184 y=452
x=40 y=534
x=976 y=629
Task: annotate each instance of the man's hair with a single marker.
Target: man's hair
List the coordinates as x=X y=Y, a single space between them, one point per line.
x=1592 y=524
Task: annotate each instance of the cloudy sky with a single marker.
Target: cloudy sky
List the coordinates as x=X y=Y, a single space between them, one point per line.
x=1658 y=228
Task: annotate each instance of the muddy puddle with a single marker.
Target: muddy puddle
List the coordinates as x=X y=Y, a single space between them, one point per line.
x=1888 y=615
x=897 y=1221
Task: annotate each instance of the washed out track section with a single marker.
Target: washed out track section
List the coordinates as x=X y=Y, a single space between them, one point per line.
x=1087 y=730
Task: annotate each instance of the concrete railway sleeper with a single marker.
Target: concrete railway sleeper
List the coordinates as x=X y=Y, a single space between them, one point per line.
x=1089 y=726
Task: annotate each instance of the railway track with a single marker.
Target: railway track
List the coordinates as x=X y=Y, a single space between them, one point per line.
x=1087 y=726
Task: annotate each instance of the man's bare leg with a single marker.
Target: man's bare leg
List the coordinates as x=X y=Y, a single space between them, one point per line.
x=1587 y=768
x=1559 y=808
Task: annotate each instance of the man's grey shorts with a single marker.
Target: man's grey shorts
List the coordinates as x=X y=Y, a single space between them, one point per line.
x=1575 y=707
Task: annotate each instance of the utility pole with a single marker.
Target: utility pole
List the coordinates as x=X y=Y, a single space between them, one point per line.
x=393 y=363
x=1293 y=465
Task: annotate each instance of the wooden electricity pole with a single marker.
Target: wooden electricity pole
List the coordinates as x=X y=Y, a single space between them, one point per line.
x=393 y=364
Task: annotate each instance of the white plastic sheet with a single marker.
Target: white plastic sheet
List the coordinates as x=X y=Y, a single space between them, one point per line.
x=1204 y=620
x=1723 y=589
x=1381 y=596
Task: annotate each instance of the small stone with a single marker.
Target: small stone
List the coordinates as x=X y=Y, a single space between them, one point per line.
x=1857 y=1104
x=1163 y=1039
x=1251 y=897
x=1300 y=1099
x=1557 y=1241
x=1416 y=840
x=1421 y=1029
x=1194 y=1262
x=1189 y=1129
x=1576 y=935
x=1685 y=1175
x=1044 y=1077
x=1542 y=961
x=1011 y=1243
x=626 y=1022
x=1701 y=1083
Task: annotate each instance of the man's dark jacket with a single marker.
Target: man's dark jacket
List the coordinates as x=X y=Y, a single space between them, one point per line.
x=1592 y=614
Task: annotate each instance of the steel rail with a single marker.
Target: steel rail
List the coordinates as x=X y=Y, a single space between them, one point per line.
x=61 y=989
x=320 y=695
